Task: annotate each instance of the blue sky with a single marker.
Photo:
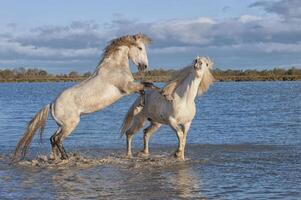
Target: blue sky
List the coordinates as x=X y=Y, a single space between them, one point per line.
x=62 y=36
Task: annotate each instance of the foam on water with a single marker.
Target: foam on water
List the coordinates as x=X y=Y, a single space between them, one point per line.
x=77 y=161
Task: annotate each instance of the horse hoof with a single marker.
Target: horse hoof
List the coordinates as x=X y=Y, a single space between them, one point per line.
x=142 y=154
x=61 y=162
x=178 y=155
x=64 y=157
x=128 y=156
x=53 y=156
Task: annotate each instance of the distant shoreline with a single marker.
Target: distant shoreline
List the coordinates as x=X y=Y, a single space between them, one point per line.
x=157 y=79
x=157 y=75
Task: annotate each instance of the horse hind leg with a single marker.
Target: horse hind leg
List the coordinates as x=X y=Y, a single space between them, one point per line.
x=55 y=151
x=57 y=146
x=148 y=132
x=136 y=126
x=59 y=137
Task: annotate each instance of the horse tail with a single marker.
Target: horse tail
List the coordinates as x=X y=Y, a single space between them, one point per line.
x=134 y=110
x=36 y=123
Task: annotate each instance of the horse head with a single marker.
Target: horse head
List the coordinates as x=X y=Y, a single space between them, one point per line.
x=137 y=51
x=201 y=65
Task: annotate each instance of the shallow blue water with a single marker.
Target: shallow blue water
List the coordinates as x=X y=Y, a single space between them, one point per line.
x=248 y=133
x=230 y=113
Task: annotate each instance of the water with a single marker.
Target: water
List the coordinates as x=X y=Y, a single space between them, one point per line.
x=244 y=143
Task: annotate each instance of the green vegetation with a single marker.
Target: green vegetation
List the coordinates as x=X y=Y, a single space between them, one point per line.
x=38 y=75
x=292 y=74
x=276 y=74
x=157 y=75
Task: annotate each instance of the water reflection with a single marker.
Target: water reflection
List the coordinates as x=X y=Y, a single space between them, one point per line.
x=185 y=181
x=224 y=171
x=84 y=184
x=141 y=181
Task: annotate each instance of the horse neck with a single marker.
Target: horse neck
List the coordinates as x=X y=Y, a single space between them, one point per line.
x=188 y=89
x=118 y=60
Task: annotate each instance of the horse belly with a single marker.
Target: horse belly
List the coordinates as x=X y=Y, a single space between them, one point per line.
x=158 y=108
x=100 y=100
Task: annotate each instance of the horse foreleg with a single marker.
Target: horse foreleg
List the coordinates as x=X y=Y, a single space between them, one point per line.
x=179 y=129
x=186 y=127
x=142 y=98
x=132 y=87
x=151 y=86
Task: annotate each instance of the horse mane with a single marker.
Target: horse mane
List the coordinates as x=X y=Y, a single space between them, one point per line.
x=127 y=40
x=176 y=79
x=207 y=80
x=180 y=75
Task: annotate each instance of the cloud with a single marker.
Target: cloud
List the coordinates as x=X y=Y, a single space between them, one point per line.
x=288 y=9
x=249 y=18
x=80 y=40
x=231 y=41
x=173 y=50
x=200 y=32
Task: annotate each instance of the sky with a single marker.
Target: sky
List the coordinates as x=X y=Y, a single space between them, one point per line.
x=63 y=36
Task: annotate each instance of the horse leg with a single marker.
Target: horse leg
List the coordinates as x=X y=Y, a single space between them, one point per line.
x=186 y=127
x=136 y=87
x=148 y=132
x=136 y=126
x=142 y=98
x=178 y=128
x=129 y=136
x=58 y=146
x=58 y=138
x=55 y=151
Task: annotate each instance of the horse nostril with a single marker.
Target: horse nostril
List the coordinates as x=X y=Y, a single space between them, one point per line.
x=142 y=67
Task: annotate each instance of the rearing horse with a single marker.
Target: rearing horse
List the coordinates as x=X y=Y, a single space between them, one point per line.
x=111 y=81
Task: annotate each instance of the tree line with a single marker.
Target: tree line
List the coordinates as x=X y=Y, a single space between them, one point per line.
x=38 y=75
x=156 y=75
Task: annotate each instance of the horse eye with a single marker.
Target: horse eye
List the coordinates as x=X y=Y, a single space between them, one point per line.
x=140 y=48
x=196 y=60
x=207 y=64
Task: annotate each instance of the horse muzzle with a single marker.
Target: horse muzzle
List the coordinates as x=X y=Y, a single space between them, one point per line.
x=142 y=67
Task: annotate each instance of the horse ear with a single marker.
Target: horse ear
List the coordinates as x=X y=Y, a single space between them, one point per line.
x=210 y=62
x=138 y=36
x=143 y=38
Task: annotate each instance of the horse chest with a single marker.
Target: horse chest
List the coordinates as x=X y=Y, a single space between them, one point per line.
x=184 y=112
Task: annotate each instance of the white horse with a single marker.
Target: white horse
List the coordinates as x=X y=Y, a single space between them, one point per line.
x=177 y=113
x=111 y=81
